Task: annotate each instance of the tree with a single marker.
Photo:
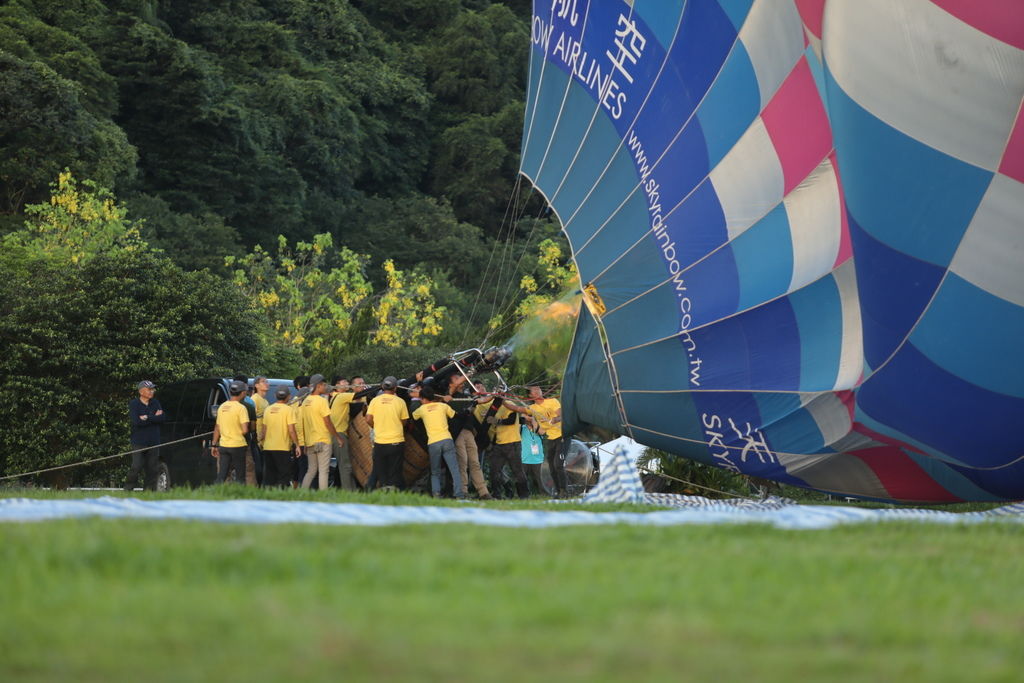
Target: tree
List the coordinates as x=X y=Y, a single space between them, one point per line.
x=415 y=229
x=77 y=224
x=317 y=301
x=478 y=62
x=44 y=127
x=193 y=242
x=475 y=163
x=406 y=313
x=310 y=295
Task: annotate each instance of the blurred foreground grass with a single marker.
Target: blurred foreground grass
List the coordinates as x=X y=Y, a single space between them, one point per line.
x=96 y=600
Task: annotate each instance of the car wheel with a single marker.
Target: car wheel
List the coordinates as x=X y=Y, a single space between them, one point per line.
x=163 y=477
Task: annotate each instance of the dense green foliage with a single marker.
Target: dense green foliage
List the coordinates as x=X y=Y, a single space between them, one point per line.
x=393 y=126
x=75 y=339
x=97 y=600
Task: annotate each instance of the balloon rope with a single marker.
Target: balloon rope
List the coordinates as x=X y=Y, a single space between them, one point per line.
x=106 y=457
x=509 y=210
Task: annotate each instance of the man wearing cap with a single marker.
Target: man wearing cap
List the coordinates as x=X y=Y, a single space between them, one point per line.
x=435 y=416
x=319 y=432
x=146 y=414
x=229 y=434
x=548 y=413
x=280 y=440
x=507 y=447
x=251 y=438
x=301 y=463
x=386 y=416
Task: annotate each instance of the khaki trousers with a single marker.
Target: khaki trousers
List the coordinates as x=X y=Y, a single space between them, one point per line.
x=468 y=456
x=319 y=455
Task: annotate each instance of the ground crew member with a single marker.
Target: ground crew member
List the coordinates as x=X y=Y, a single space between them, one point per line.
x=386 y=415
x=229 y=434
x=301 y=464
x=259 y=398
x=146 y=414
x=548 y=413
x=319 y=433
x=507 y=448
x=260 y=386
x=440 y=445
x=341 y=404
x=250 y=438
x=279 y=439
x=464 y=427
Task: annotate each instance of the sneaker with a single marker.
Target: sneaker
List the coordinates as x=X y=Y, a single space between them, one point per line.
x=487 y=496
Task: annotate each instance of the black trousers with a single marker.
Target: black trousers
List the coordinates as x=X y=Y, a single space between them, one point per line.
x=554 y=453
x=257 y=457
x=147 y=459
x=511 y=453
x=231 y=458
x=299 y=467
x=387 y=465
x=278 y=468
x=534 y=479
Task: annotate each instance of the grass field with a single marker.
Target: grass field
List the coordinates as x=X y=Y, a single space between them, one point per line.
x=96 y=600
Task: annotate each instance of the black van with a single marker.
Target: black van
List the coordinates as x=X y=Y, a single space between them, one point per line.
x=191 y=409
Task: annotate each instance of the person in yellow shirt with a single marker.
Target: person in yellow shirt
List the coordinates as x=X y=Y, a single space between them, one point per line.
x=440 y=445
x=507 y=448
x=319 y=433
x=386 y=415
x=341 y=403
x=259 y=398
x=260 y=386
x=280 y=440
x=548 y=413
x=300 y=464
x=229 y=434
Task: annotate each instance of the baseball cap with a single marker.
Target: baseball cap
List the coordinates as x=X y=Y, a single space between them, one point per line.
x=146 y=384
x=389 y=382
x=235 y=387
x=316 y=379
x=282 y=393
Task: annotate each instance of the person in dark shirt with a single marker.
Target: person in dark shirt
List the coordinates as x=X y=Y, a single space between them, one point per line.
x=464 y=426
x=146 y=414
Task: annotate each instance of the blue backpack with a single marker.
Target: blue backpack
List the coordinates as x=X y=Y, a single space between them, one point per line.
x=533 y=446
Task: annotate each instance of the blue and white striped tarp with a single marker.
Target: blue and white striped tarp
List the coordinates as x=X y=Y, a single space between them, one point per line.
x=357 y=514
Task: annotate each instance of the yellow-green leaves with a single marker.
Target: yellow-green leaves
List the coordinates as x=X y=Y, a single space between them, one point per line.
x=318 y=300
x=406 y=312
x=80 y=221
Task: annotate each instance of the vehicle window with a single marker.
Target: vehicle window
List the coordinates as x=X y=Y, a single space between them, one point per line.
x=193 y=403
x=217 y=396
x=170 y=397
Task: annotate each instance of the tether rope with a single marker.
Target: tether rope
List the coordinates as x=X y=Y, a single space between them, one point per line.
x=106 y=457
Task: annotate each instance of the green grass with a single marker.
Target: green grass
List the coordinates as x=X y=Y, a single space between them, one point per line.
x=95 y=600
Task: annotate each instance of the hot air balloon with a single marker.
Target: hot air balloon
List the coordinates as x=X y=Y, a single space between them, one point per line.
x=799 y=230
